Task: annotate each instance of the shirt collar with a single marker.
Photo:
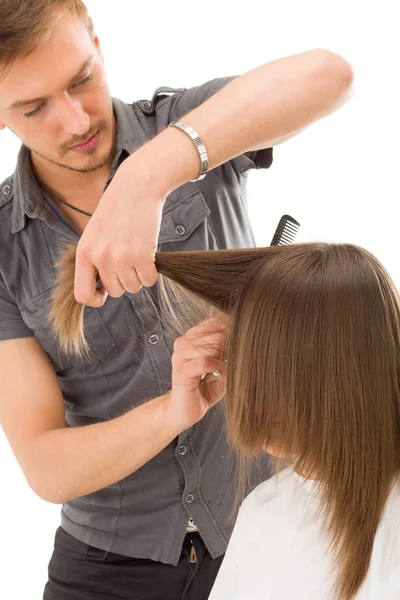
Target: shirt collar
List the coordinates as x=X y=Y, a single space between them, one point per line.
x=28 y=198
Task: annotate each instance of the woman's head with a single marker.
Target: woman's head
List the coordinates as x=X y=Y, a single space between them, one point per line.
x=315 y=342
x=313 y=354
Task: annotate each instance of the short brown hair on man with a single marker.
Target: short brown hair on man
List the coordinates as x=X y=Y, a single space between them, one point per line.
x=25 y=24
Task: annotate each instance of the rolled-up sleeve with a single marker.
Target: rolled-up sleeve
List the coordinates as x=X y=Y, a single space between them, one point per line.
x=12 y=325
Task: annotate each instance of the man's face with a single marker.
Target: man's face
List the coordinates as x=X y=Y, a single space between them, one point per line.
x=69 y=101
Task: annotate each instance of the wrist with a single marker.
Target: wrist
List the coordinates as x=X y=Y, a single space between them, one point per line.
x=169 y=160
x=171 y=417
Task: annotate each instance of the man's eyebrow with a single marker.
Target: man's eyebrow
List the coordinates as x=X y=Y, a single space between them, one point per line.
x=21 y=103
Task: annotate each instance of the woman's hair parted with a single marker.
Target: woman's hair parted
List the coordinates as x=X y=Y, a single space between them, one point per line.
x=26 y=24
x=313 y=369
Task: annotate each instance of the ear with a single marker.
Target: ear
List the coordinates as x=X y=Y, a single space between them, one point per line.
x=95 y=38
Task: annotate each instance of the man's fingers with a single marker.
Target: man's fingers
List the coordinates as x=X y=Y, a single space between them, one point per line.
x=214 y=324
x=192 y=370
x=130 y=280
x=111 y=283
x=133 y=268
x=201 y=345
x=117 y=274
x=147 y=273
x=85 y=283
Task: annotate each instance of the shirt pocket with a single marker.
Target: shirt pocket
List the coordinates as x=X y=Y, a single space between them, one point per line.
x=36 y=315
x=185 y=225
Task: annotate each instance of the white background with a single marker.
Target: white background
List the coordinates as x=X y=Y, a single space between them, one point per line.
x=339 y=178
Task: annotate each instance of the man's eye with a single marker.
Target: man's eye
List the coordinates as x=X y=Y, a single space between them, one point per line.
x=38 y=109
x=88 y=78
x=33 y=112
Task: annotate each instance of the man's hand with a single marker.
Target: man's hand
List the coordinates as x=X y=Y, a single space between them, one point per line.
x=119 y=243
x=198 y=352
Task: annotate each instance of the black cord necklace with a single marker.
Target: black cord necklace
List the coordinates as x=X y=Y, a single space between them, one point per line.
x=55 y=197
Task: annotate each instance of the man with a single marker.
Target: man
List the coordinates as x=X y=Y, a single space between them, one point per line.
x=146 y=506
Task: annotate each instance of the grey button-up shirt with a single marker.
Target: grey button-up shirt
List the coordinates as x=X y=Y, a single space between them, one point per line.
x=146 y=514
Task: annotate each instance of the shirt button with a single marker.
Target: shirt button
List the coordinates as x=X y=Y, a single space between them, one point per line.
x=189 y=498
x=180 y=230
x=182 y=450
x=154 y=339
x=145 y=104
x=6 y=189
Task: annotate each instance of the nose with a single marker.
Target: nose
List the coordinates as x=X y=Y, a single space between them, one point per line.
x=73 y=119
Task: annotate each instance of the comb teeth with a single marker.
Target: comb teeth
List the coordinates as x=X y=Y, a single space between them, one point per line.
x=286 y=231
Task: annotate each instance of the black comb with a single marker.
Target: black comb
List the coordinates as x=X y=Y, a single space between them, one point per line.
x=286 y=231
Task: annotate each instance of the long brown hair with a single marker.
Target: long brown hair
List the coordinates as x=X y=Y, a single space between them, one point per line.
x=314 y=369
x=25 y=24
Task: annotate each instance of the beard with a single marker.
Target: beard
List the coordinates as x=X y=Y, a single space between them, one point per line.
x=104 y=125
x=95 y=162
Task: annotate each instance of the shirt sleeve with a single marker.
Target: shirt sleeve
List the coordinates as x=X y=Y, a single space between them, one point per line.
x=12 y=325
x=187 y=100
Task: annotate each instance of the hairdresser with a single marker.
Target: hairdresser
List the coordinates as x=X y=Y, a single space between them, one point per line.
x=146 y=490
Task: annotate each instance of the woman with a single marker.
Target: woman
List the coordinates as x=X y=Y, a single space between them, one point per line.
x=312 y=340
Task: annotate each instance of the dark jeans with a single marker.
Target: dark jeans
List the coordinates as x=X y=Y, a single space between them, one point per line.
x=81 y=572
